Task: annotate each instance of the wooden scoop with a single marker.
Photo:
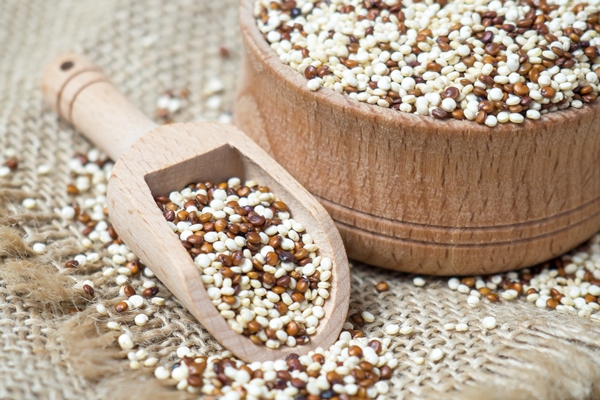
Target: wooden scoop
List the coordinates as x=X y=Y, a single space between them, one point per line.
x=155 y=160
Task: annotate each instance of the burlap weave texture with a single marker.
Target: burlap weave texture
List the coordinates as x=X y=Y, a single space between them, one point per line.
x=147 y=47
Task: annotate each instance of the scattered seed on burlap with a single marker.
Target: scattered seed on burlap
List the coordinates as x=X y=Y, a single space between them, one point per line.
x=569 y=284
x=260 y=267
x=29 y=203
x=489 y=322
x=392 y=329
x=351 y=368
x=382 y=287
x=419 y=281
x=88 y=211
x=169 y=103
x=436 y=355
x=12 y=164
x=39 y=248
x=483 y=61
x=462 y=327
x=90 y=174
x=4 y=171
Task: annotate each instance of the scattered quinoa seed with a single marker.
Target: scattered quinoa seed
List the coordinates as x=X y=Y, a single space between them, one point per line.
x=29 y=203
x=489 y=322
x=449 y=327
x=72 y=189
x=169 y=103
x=406 y=330
x=462 y=327
x=382 y=287
x=392 y=329
x=125 y=342
x=368 y=317
x=121 y=307
x=151 y=362
x=39 y=248
x=101 y=309
x=418 y=281
x=141 y=319
x=43 y=169
x=356 y=367
x=162 y=373
x=568 y=284
x=112 y=325
x=158 y=301
x=436 y=355
x=88 y=290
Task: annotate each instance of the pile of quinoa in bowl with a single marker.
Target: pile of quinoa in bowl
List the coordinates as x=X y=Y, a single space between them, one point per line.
x=484 y=61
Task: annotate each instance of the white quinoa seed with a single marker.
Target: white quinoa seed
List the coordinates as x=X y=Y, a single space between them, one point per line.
x=418 y=281
x=29 y=203
x=125 y=342
x=137 y=301
x=183 y=351
x=4 y=171
x=161 y=373
x=141 y=354
x=158 y=301
x=453 y=283
x=463 y=289
x=39 y=248
x=121 y=280
x=135 y=365
x=151 y=362
x=509 y=294
x=43 y=169
x=473 y=301
x=449 y=327
x=392 y=329
x=141 y=319
x=436 y=355
x=406 y=330
x=367 y=316
x=489 y=322
x=101 y=309
x=213 y=86
x=112 y=325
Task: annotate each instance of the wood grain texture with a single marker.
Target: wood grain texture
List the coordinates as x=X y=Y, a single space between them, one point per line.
x=80 y=93
x=169 y=157
x=420 y=195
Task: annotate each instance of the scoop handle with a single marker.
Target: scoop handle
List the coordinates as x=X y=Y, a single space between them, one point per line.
x=80 y=93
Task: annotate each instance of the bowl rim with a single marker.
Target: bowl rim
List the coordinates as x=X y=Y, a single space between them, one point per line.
x=256 y=43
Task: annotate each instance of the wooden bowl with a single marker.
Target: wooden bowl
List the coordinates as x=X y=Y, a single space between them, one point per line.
x=420 y=195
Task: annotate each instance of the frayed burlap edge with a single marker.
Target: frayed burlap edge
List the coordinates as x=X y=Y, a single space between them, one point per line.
x=85 y=345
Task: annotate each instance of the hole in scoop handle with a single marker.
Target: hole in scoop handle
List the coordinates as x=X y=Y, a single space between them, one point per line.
x=80 y=93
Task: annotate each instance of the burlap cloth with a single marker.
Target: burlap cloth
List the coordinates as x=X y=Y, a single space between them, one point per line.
x=49 y=351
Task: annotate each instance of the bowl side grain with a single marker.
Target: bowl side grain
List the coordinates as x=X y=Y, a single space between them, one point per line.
x=420 y=195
